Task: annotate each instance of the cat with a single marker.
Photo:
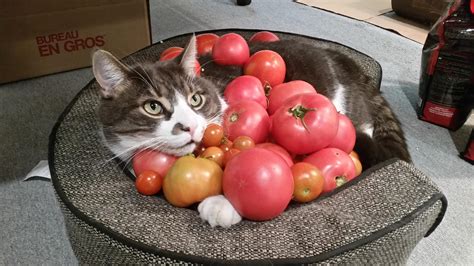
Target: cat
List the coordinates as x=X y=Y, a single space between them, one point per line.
x=166 y=106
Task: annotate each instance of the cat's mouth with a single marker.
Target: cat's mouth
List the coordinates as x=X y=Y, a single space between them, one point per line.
x=182 y=150
x=189 y=143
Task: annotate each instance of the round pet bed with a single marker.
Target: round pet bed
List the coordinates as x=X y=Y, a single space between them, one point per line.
x=377 y=218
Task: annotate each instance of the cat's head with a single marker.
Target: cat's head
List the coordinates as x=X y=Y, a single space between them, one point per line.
x=160 y=105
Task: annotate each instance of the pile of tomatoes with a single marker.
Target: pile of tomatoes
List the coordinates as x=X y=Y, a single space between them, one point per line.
x=279 y=141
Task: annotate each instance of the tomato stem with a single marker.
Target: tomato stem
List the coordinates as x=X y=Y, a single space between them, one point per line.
x=299 y=112
x=234 y=117
x=267 y=88
x=340 y=180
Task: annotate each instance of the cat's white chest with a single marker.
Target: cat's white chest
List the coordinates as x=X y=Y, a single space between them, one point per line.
x=339 y=99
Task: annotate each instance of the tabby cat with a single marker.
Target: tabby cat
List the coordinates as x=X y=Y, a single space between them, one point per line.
x=165 y=106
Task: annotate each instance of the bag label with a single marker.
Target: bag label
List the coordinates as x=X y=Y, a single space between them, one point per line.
x=438 y=114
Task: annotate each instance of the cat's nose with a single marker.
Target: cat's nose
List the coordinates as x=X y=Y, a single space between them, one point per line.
x=178 y=128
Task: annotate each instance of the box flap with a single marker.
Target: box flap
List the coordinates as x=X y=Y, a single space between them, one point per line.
x=376 y=12
x=16 y=8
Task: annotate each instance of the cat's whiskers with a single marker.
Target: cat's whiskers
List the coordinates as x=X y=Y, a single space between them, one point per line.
x=210 y=61
x=146 y=143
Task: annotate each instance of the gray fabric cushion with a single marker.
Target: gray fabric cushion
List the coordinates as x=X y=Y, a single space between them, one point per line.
x=379 y=217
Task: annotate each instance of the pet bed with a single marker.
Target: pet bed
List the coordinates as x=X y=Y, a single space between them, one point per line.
x=377 y=218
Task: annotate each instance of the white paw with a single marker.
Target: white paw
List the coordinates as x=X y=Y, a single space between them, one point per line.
x=218 y=211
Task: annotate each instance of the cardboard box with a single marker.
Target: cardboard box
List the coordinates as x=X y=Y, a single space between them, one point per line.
x=376 y=12
x=49 y=36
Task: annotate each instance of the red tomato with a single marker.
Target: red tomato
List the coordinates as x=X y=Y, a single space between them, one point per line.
x=280 y=93
x=243 y=143
x=230 y=49
x=215 y=154
x=268 y=66
x=278 y=150
x=246 y=118
x=152 y=160
x=228 y=155
x=212 y=135
x=245 y=88
x=264 y=36
x=262 y=189
x=309 y=182
x=175 y=52
x=205 y=42
x=307 y=123
x=226 y=144
x=346 y=135
x=148 y=183
x=170 y=53
x=337 y=167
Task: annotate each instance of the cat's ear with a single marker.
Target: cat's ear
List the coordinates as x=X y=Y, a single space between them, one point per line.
x=188 y=61
x=109 y=72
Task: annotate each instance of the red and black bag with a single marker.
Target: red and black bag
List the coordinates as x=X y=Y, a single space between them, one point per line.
x=447 y=75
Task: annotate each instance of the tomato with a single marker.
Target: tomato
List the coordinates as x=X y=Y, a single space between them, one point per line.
x=278 y=150
x=243 y=143
x=212 y=135
x=336 y=165
x=205 y=42
x=309 y=182
x=262 y=189
x=230 y=49
x=346 y=135
x=245 y=88
x=268 y=66
x=246 y=118
x=171 y=53
x=191 y=180
x=215 y=154
x=152 y=160
x=226 y=144
x=354 y=154
x=307 y=123
x=229 y=155
x=358 y=165
x=264 y=36
x=280 y=93
x=148 y=183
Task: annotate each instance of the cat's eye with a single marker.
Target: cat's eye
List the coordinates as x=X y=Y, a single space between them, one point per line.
x=153 y=108
x=196 y=100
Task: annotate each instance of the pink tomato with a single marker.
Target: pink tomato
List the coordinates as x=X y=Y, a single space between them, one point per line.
x=280 y=93
x=306 y=123
x=230 y=49
x=264 y=36
x=278 y=150
x=346 y=135
x=258 y=183
x=268 y=66
x=246 y=118
x=170 y=53
x=336 y=165
x=205 y=42
x=245 y=88
x=151 y=160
